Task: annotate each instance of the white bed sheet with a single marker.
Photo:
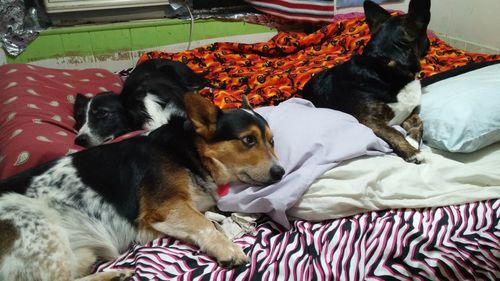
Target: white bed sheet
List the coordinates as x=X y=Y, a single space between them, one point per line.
x=373 y=183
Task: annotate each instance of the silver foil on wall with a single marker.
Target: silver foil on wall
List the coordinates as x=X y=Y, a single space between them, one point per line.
x=18 y=26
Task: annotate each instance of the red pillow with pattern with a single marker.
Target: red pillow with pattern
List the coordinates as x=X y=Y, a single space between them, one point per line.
x=36 y=112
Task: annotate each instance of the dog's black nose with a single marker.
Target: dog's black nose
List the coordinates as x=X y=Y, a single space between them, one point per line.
x=82 y=140
x=277 y=172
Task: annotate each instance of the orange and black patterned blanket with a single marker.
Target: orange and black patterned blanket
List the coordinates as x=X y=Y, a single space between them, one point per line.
x=273 y=71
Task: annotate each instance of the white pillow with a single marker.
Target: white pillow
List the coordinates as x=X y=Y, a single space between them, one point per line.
x=462 y=113
x=308 y=141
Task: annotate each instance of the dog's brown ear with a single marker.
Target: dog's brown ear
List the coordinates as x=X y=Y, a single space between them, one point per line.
x=419 y=13
x=202 y=113
x=375 y=15
x=245 y=104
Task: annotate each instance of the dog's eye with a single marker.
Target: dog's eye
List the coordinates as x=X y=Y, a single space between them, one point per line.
x=101 y=113
x=271 y=142
x=249 y=141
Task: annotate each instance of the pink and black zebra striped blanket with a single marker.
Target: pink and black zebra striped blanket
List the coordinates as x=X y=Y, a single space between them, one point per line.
x=446 y=243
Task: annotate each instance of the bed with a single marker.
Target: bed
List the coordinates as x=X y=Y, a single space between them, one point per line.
x=368 y=216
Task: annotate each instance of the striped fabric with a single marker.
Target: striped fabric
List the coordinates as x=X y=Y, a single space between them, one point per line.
x=300 y=10
x=447 y=243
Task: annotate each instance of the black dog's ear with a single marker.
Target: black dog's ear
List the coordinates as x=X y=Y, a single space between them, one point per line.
x=375 y=15
x=245 y=104
x=79 y=107
x=80 y=102
x=79 y=98
x=419 y=13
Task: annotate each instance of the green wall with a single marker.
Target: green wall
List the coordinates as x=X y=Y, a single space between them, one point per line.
x=94 y=40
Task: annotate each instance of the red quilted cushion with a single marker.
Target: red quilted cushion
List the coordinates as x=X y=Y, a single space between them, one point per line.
x=36 y=112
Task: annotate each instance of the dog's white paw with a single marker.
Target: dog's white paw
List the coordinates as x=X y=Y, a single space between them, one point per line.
x=124 y=274
x=417 y=158
x=413 y=142
x=234 y=256
x=226 y=252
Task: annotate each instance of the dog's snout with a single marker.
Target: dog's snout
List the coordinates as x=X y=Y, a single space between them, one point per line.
x=277 y=172
x=82 y=140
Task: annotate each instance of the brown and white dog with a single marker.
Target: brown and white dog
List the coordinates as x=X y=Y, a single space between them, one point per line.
x=58 y=219
x=378 y=87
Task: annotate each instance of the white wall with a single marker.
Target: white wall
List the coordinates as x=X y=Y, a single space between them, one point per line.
x=465 y=24
x=470 y=25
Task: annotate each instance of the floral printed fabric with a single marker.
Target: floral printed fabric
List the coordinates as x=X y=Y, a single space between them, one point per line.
x=36 y=112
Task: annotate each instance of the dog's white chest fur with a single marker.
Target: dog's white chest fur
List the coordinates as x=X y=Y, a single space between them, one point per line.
x=157 y=113
x=408 y=99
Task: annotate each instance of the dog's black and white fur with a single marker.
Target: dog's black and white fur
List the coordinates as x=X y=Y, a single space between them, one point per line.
x=378 y=87
x=58 y=219
x=151 y=95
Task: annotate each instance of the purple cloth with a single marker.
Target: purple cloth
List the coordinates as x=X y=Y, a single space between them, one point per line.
x=309 y=141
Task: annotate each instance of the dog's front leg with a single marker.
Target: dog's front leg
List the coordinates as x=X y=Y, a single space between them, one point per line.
x=182 y=221
x=414 y=126
x=395 y=139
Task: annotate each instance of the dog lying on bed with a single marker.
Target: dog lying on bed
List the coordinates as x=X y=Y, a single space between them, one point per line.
x=378 y=87
x=151 y=95
x=58 y=219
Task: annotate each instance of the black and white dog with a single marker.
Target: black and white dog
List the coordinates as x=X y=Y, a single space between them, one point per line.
x=378 y=87
x=58 y=219
x=151 y=95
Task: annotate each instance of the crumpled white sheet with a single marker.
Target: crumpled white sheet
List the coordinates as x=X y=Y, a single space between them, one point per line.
x=308 y=141
x=235 y=225
x=374 y=183
x=387 y=182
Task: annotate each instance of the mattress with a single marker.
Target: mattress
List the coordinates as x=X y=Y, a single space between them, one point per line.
x=455 y=242
x=444 y=233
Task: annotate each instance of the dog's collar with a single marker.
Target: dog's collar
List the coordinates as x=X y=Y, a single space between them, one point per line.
x=223 y=190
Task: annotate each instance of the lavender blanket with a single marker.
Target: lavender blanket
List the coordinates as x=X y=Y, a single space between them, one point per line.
x=309 y=141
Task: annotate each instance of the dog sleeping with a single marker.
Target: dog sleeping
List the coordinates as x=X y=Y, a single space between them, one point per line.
x=58 y=219
x=151 y=95
x=378 y=87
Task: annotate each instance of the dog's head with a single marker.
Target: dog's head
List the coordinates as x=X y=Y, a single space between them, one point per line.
x=235 y=145
x=99 y=119
x=402 y=38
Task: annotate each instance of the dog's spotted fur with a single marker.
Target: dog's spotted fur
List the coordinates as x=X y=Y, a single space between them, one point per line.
x=59 y=218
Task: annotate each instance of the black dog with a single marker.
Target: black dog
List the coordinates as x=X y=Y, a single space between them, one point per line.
x=378 y=87
x=151 y=95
